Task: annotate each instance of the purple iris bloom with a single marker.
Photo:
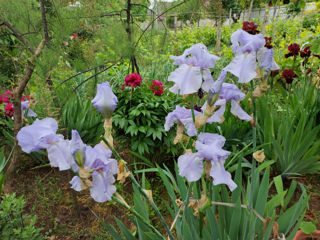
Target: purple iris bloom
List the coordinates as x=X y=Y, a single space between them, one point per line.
x=105 y=101
x=59 y=155
x=40 y=135
x=102 y=167
x=221 y=176
x=190 y=166
x=193 y=72
x=183 y=116
x=229 y=93
x=25 y=108
x=245 y=47
x=209 y=147
x=266 y=60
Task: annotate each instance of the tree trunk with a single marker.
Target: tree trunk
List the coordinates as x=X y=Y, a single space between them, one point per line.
x=218 y=41
x=275 y=11
x=250 y=10
x=13 y=164
x=265 y=19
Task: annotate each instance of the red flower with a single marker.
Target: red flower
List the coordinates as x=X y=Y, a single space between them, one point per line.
x=157 y=88
x=268 y=42
x=250 y=27
x=132 y=80
x=305 y=53
x=294 y=50
x=24 y=98
x=9 y=110
x=82 y=24
x=288 y=75
x=74 y=36
x=6 y=97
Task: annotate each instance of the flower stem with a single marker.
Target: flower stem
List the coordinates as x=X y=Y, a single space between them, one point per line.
x=254 y=139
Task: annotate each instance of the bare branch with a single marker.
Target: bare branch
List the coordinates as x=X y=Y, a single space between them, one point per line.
x=103 y=70
x=164 y=12
x=17 y=35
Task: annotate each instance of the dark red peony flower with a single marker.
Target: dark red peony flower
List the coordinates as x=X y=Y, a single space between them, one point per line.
x=9 y=110
x=74 y=36
x=288 y=75
x=294 y=50
x=268 y=42
x=132 y=80
x=250 y=27
x=157 y=88
x=306 y=52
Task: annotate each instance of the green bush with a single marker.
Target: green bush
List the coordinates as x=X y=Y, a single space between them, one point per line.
x=310 y=20
x=13 y=223
x=139 y=120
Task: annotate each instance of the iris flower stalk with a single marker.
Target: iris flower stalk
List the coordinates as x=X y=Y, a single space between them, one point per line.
x=105 y=102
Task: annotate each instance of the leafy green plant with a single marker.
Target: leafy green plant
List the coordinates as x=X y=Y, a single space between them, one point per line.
x=228 y=215
x=139 y=120
x=290 y=130
x=79 y=114
x=3 y=162
x=13 y=223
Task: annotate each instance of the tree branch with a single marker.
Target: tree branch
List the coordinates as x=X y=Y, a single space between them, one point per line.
x=17 y=35
x=177 y=5
x=44 y=21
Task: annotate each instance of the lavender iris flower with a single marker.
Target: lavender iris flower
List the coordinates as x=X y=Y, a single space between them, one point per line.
x=190 y=166
x=266 y=60
x=183 y=116
x=25 y=108
x=102 y=169
x=105 y=101
x=245 y=47
x=40 y=135
x=209 y=147
x=59 y=155
x=193 y=72
x=229 y=93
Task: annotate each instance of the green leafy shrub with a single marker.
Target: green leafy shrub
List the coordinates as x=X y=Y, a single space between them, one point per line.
x=13 y=223
x=310 y=20
x=139 y=120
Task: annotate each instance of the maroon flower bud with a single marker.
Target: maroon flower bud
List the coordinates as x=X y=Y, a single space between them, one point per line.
x=294 y=49
x=197 y=108
x=288 y=75
x=268 y=42
x=250 y=27
x=305 y=53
